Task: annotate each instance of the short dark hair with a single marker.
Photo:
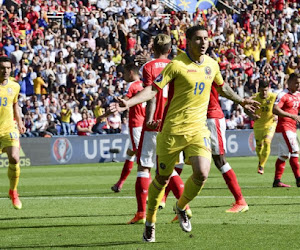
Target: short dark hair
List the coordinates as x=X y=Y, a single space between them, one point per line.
x=162 y=44
x=263 y=84
x=293 y=76
x=4 y=59
x=192 y=30
x=131 y=67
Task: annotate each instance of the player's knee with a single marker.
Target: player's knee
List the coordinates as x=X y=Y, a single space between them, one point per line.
x=13 y=158
x=130 y=152
x=162 y=179
x=219 y=160
x=200 y=176
x=143 y=169
x=283 y=157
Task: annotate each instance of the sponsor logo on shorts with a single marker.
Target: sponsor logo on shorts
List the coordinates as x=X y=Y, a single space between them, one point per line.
x=62 y=150
x=162 y=166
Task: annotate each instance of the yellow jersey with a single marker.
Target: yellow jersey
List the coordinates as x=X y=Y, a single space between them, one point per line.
x=66 y=115
x=265 y=111
x=189 y=93
x=8 y=97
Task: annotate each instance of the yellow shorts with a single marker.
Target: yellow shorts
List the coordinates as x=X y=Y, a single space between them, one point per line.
x=261 y=134
x=9 y=139
x=169 y=147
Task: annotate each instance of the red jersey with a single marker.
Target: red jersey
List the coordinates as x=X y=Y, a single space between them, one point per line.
x=214 y=109
x=288 y=102
x=137 y=112
x=223 y=64
x=150 y=71
x=83 y=124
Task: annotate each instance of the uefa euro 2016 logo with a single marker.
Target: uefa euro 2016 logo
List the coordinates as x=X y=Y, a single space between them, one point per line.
x=62 y=150
x=252 y=143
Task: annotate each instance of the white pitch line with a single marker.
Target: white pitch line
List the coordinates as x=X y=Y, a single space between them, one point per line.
x=133 y=197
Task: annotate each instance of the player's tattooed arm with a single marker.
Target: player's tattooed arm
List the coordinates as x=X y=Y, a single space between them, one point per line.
x=228 y=92
x=248 y=103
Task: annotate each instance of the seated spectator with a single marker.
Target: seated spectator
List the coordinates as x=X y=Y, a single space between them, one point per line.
x=51 y=125
x=124 y=126
x=83 y=127
x=231 y=123
x=114 y=123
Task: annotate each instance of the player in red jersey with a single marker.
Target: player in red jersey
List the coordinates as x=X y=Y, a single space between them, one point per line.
x=136 y=120
x=146 y=156
x=287 y=108
x=217 y=127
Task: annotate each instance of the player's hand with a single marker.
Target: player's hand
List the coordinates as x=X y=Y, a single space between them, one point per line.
x=22 y=128
x=252 y=115
x=250 y=104
x=119 y=106
x=296 y=118
x=153 y=124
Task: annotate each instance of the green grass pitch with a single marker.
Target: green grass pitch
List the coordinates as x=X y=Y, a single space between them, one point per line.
x=73 y=207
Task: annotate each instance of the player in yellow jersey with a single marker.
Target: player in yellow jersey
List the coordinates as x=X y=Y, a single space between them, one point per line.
x=10 y=126
x=190 y=76
x=264 y=127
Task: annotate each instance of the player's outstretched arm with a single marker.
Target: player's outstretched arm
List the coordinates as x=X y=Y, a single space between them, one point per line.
x=248 y=103
x=278 y=111
x=18 y=118
x=145 y=95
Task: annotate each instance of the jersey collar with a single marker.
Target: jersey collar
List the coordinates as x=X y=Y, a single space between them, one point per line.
x=198 y=63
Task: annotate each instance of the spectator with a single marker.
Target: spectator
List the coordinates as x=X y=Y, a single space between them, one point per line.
x=83 y=126
x=65 y=114
x=231 y=123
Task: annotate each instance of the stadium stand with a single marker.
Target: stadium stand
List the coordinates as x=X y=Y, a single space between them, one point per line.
x=73 y=52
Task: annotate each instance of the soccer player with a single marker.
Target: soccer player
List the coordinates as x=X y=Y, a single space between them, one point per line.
x=287 y=106
x=217 y=127
x=136 y=120
x=10 y=126
x=146 y=156
x=183 y=128
x=264 y=127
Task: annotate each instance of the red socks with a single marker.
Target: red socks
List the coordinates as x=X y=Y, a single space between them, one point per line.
x=294 y=162
x=280 y=165
x=128 y=165
x=233 y=185
x=142 y=183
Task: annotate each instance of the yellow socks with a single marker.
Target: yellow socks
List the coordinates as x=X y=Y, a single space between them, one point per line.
x=265 y=152
x=192 y=188
x=155 y=194
x=13 y=174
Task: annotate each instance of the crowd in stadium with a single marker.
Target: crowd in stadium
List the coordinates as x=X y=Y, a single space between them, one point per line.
x=69 y=56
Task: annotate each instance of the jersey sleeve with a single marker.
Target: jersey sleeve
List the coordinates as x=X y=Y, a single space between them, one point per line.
x=130 y=91
x=280 y=99
x=218 y=76
x=166 y=76
x=147 y=76
x=17 y=94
